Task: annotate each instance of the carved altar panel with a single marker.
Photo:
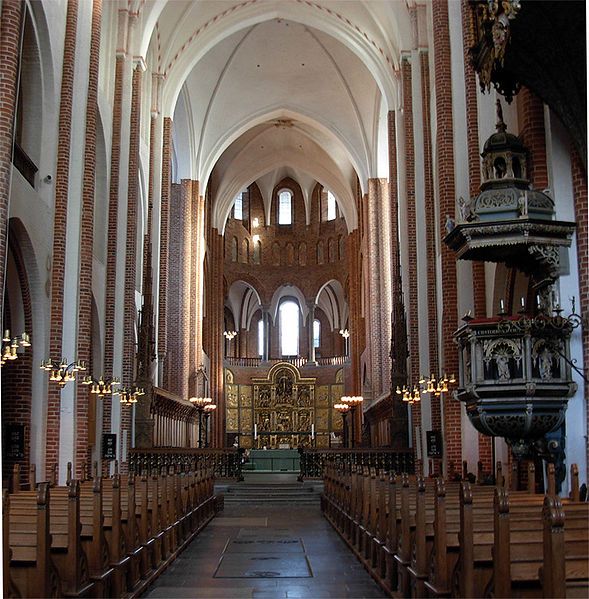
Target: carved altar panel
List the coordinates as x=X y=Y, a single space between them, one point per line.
x=336 y=393
x=231 y=395
x=246 y=421
x=322 y=419
x=245 y=396
x=285 y=408
x=322 y=441
x=322 y=396
x=232 y=420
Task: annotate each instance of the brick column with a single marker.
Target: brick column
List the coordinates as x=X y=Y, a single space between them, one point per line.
x=379 y=325
x=580 y=194
x=194 y=338
x=310 y=336
x=474 y=181
x=410 y=234
x=431 y=231
x=10 y=28
x=399 y=424
x=216 y=302
x=113 y=221
x=130 y=309
x=59 y=231
x=84 y=350
x=533 y=134
x=164 y=239
x=447 y=203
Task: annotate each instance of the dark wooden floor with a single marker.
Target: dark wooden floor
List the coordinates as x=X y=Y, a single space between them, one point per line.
x=267 y=551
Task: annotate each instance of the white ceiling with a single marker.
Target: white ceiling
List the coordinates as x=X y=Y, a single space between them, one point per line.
x=261 y=88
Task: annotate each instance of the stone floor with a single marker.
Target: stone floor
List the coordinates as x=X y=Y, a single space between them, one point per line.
x=269 y=552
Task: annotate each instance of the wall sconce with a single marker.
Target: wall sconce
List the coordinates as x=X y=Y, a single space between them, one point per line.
x=229 y=335
x=62 y=372
x=345 y=333
x=11 y=344
x=433 y=385
x=203 y=405
x=130 y=395
x=102 y=387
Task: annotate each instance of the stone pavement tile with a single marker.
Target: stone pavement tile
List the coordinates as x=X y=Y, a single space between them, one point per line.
x=260 y=565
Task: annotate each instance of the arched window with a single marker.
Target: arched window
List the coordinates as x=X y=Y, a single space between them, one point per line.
x=238 y=207
x=261 y=337
x=285 y=207
x=257 y=252
x=289 y=328
x=316 y=333
x=330 y=206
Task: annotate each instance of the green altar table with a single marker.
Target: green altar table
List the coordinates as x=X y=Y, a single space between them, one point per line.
x=275 y=460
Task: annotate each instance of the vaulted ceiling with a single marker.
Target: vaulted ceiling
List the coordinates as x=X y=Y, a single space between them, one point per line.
x=262 y=88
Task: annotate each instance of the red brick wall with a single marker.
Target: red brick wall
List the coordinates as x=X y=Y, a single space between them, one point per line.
x=59 y=230
x=10 y=26
x=447 y=199
x=267 y=277
x=86 y=243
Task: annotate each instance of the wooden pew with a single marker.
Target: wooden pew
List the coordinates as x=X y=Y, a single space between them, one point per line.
x=565 y=568
x=93 y=537
x=31 y=566
x=113 y=532
x=129 y=525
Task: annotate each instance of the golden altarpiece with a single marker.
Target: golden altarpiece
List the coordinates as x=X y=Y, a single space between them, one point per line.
x=283 y=410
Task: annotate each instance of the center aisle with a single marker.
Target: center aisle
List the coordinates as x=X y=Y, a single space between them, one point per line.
x=267 y=551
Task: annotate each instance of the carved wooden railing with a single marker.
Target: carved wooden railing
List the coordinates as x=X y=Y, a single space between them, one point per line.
x=298 y=362
x=313 y=460
x=226 y=463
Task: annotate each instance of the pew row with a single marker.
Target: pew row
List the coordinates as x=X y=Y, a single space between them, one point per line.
x=101 y=537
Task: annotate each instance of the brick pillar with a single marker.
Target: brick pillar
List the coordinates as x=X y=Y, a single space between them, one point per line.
x=399 y=423
x=164 y=239
x=185 y=259
x=580 y=194
x=533 y=135
x=84 y=350
x=216 y=302
x=379 y=302
x=474 y=182
x=194 y=338
x=199 y=280
x=59 y=231
x=130 y=309
x=410 y=234
x=430 y=220
x=113 y=220
x=10 y=28
x=447 y=202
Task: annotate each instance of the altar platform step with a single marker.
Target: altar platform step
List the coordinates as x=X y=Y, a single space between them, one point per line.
x=270 y=488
